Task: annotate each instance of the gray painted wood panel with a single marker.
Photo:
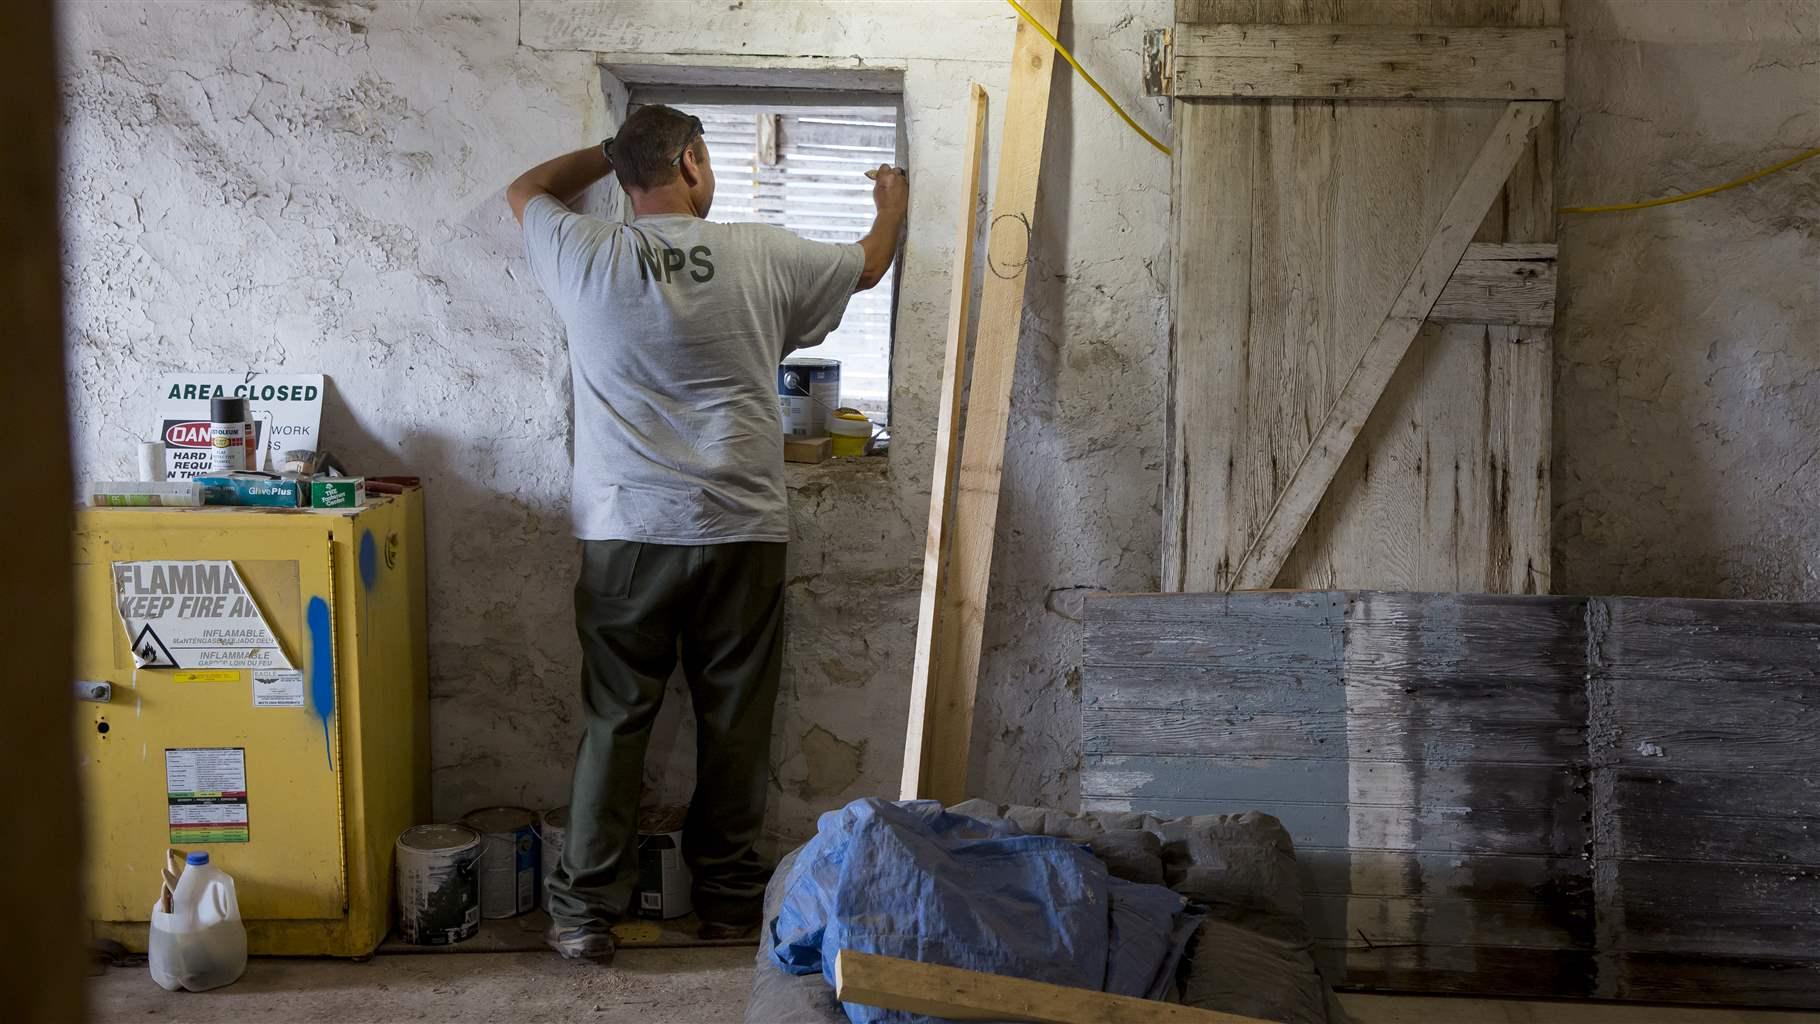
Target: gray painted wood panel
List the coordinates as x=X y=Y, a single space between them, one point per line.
x=1494 y=794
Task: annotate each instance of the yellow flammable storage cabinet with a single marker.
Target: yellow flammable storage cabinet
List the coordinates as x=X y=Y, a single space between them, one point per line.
x=295 y=776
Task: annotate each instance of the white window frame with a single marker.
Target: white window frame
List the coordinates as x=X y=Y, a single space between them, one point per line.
x=798 y=102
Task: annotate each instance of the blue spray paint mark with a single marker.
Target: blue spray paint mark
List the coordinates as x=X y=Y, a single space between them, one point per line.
x=369 y=560
x=322 y=670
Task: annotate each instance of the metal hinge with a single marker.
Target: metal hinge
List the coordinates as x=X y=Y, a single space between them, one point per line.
x=1158 y=49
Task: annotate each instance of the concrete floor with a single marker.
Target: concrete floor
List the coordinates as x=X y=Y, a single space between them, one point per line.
x=650 y=986
x=658 y=986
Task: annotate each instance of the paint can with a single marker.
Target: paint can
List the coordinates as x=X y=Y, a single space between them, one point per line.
x=806 y=390
x=438 y=874
x=552 y=826
x=508 y=861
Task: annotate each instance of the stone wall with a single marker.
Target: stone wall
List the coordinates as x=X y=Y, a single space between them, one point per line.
x=1687 y=390
x=298 y=186
x=317 y=186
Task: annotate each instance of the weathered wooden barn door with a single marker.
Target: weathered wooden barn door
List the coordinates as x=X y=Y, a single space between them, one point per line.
x=1358 y=397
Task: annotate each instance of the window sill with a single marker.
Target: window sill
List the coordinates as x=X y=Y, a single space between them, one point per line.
x=855 y=469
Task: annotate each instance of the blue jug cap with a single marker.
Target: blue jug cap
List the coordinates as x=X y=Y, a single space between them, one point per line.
x=197 y=857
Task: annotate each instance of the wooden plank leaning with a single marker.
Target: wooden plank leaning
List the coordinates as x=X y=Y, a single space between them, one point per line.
x=960 y=616
x=947 y=452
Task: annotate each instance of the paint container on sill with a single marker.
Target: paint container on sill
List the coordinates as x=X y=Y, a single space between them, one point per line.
x=851 y=432
x=806 y=390
x=508 y=861
x=552 y=826
x=438 y=874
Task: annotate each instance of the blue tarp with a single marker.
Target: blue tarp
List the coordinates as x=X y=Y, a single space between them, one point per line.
x=913 y=880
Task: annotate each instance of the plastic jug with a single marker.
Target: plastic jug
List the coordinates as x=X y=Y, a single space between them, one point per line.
x=201 y=943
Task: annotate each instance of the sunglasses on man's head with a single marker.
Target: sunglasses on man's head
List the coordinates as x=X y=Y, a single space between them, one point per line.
x=694 y=131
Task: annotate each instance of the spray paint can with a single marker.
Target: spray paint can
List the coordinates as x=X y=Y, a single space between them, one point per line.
x=230 y=436
x=438 y=884
x=508 y=862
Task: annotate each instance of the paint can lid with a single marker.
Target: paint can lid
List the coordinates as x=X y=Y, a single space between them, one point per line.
x=490 y=820
x=196 y=857
x=228 y=410
x=438 y=838
x=850 y=423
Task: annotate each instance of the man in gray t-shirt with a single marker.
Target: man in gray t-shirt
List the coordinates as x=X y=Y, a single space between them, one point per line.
x=676 y=325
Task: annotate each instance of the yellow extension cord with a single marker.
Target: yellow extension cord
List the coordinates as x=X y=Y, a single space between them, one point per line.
x=1087 y=77
x=1697 y=193
x=1607 y=208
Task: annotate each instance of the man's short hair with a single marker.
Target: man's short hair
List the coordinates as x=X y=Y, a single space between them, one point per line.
x=645 y=151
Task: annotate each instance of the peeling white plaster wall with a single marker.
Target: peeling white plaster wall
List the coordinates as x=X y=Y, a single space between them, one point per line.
x=298 y=186
x=1687 y=391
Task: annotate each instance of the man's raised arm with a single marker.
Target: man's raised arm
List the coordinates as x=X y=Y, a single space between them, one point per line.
x=891 y=194
x=562 y=179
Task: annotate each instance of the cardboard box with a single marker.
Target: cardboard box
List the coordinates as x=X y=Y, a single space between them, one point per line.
x=663 y=878
x=254 y=489
x=338 y=492
x=811 y=449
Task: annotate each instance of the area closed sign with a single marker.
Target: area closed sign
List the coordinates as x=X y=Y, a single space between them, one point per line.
x=286 y=411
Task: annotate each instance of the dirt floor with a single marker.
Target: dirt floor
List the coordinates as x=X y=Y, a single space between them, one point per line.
x=656 y=986
x=644 y=986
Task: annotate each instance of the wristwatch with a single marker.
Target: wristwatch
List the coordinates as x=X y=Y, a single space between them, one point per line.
x=606 y=147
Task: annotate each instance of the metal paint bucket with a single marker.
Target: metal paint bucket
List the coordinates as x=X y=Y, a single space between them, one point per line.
x=438 y=872
x=552 y=825
x=508 y=861
x=806 y=390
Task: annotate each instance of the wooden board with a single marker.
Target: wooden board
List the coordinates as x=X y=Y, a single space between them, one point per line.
x=1364 y=384
x=953 y=994
x=947 y=454
x=958 y=623
x=1297 y=222
x=1499 y=284
x=808 y=450
x=1271 y=61
x=1611 y=797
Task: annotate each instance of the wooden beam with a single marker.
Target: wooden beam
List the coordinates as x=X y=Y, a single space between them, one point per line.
x=1497 y=283
x=954 y=994
x=961 y=619
x=947 y=449
x=1277 y=536
x=1369 y=62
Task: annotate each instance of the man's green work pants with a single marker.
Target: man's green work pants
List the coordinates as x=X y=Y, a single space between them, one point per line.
x=640 y=609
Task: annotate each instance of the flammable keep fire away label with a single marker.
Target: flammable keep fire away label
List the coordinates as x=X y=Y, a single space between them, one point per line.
x=205 y=788
x=193 y=615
